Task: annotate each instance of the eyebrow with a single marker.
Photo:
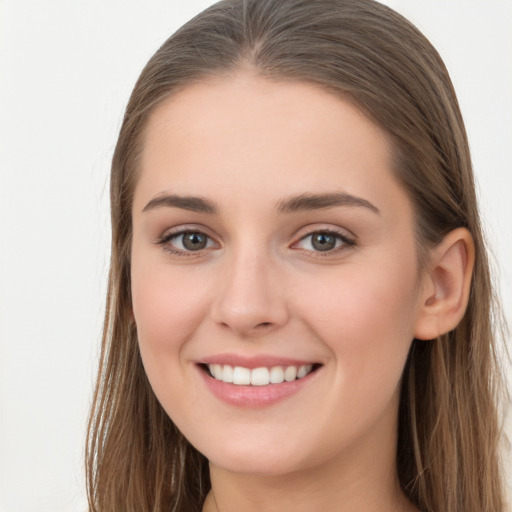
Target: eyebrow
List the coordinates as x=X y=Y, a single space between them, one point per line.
x=302 y=202
x=191 y=203
x=305 y=202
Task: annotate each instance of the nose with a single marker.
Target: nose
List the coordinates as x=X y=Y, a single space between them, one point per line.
x=251 y=299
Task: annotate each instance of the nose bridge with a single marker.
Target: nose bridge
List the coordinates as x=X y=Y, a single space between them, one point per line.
x=250 y=298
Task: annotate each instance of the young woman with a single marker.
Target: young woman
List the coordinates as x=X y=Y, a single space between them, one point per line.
x=299 y=306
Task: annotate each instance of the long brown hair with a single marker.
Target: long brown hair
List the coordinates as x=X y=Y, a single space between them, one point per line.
x=448 y=436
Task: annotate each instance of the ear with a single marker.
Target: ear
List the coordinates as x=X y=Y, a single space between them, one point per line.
x=446 y=285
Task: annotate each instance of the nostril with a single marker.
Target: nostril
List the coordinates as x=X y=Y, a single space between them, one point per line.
x=264 y=324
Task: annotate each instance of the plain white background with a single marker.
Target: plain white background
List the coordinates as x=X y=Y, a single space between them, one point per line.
x=67 y=68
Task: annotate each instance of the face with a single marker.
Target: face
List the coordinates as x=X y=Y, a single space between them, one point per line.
x=274 y=274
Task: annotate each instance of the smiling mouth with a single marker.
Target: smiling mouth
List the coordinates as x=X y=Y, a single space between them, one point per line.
x=264 y=376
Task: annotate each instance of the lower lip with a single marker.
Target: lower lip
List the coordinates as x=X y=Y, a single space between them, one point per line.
x=254 y=396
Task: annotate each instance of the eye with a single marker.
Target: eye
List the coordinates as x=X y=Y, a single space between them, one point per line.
x=186 y=241
x=324 y=241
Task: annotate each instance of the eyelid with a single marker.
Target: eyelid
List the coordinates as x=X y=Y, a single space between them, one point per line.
x=347 y=240
x=171 y=233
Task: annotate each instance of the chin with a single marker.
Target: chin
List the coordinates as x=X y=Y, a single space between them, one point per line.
x=261 y=459
x=258 y=466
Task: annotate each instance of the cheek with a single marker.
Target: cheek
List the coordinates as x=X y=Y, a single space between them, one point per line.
x=368 y=323
x=167 y=308
x=365 y=300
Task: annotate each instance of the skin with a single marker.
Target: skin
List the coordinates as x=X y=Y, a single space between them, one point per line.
x=247 y=144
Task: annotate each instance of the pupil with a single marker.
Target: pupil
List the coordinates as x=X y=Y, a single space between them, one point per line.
x=323 y=242
x=194 y=241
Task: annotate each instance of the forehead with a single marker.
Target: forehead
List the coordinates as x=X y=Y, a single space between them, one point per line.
x=246 y=133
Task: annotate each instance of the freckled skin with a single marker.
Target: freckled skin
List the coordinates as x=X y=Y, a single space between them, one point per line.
x=246 y=143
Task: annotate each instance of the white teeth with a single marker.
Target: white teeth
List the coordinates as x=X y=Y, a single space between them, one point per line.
x=276 y=375
x=258 y=376
x=241 y=376
x=290 y=373
x=304 y=370
x=227 y=374
x=216 y=370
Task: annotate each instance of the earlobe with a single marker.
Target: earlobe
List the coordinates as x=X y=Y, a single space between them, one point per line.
x=446 y=286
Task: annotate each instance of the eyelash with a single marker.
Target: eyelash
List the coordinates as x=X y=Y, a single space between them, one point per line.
x=346 y=242
x=165 y=239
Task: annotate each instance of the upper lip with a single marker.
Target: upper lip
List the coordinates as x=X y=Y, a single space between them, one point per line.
x=251 y=362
